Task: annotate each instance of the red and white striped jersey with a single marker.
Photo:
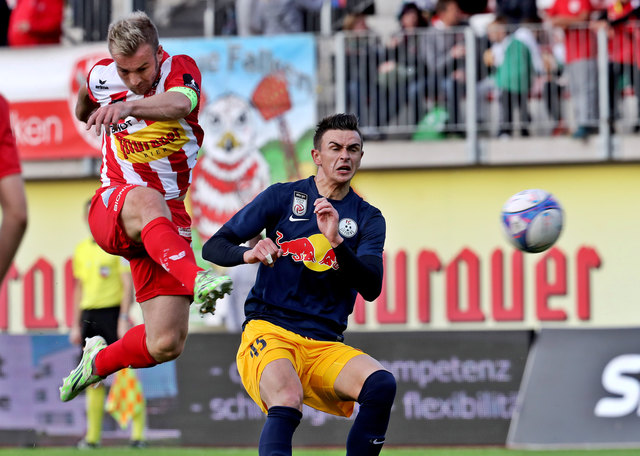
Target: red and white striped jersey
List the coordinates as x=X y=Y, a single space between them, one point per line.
x=156 y=154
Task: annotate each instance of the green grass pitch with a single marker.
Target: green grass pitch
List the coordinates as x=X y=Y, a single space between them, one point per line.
x=211 y=451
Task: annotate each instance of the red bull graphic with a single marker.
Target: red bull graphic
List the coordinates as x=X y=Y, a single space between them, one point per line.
x=300 y=249
x=315 y=251
x=329 y=259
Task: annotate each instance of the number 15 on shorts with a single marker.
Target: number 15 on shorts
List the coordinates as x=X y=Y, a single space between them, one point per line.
x=257 y=346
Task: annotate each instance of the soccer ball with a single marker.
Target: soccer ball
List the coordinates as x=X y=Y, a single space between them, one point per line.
x=532 y=220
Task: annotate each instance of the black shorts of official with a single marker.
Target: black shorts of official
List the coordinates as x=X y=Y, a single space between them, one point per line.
x=100 y=322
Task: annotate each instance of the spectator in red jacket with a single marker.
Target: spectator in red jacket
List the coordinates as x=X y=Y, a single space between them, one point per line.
x=620 y=21
x=34 y=22
x=581 y=65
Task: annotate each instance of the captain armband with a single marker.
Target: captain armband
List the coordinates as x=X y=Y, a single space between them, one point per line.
x=190 y=93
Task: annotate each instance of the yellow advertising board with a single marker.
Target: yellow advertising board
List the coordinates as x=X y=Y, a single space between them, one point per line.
x=447 y=262
x=449 y=266
x=37 y=294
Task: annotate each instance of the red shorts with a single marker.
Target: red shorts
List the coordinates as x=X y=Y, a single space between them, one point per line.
x=149 y=278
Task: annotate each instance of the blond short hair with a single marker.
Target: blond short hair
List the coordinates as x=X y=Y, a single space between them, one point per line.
x=126 y=35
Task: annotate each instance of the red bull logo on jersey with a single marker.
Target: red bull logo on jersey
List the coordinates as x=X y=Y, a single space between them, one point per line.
x=314 y=251
x=153 y=142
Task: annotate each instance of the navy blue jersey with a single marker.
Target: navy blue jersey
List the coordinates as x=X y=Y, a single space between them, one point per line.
x=304 y=291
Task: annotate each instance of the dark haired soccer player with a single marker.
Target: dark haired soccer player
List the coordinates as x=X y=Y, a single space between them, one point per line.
x=323 y=246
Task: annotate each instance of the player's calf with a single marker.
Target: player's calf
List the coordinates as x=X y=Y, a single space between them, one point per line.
x=367 y=434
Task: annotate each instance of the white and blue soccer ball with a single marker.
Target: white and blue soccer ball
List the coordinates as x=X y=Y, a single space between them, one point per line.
x=532 y=220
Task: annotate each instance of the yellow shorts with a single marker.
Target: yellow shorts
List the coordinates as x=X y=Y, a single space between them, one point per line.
x=317 y=363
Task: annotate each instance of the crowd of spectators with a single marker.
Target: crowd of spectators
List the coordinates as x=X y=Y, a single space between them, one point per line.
x=545 y=49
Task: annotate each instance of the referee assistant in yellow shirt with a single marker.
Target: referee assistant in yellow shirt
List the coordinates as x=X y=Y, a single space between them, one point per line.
x=103 y=296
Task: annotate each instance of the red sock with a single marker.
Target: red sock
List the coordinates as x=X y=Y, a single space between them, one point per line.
x=130 y=351
x=170 y=250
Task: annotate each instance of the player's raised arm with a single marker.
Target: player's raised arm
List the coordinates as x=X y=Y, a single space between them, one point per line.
x=163 y=106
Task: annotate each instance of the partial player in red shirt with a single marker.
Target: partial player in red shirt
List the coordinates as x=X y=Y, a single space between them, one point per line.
x=145 y=103
x=12 y=196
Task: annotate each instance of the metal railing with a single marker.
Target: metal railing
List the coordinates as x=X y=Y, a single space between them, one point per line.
x=435 y=83
x=438 y=83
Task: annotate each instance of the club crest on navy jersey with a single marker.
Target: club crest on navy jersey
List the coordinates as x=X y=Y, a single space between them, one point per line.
x=348 y=227
x=299 y=206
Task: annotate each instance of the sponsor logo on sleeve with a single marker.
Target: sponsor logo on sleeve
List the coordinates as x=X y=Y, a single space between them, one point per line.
x=188 y=81
x=102 y=84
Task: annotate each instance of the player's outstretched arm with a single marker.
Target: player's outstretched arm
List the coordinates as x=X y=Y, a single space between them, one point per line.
x=170 y=105
x=224 y=249
x=163 y=106
x=14 y=219
x=265 y=251
x=363 y=273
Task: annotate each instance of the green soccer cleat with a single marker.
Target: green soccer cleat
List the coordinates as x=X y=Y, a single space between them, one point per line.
x=208 y=289
x=83 y=376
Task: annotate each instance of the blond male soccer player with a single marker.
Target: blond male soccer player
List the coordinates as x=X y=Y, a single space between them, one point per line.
x=145 y=102
x=323 y=246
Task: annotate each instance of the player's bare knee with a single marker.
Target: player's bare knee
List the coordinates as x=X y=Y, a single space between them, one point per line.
x=286 y=398
x=166 y=354
x=293 y=401
x=165 y=348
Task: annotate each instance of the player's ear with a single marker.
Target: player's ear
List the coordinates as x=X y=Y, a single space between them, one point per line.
x=315 y=155
x=159 y=52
